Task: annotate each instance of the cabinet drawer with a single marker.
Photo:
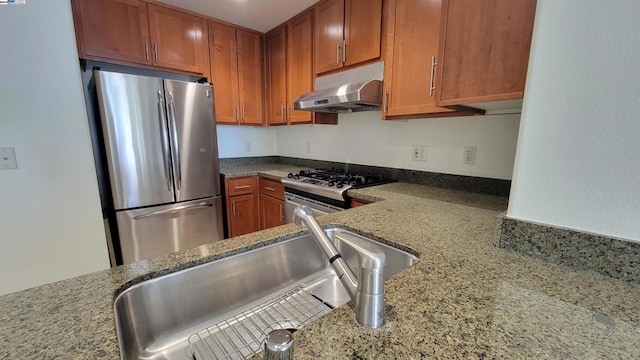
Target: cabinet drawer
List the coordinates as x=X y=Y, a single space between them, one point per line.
x=272 y=188
x=243 y=185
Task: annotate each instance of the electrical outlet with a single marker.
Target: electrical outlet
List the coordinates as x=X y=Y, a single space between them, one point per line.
x=469 y=155
x=308 y=147
x=248 y=146
x=419 y=153
x=8 y=158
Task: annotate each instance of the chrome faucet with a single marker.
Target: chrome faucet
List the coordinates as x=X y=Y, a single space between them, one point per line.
x=367 y=291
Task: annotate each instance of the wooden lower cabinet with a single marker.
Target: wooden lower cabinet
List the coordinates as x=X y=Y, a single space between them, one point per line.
x=253 y=203
x=242 y=205
x=271 y=203
x=356 y=203
x=271 y=211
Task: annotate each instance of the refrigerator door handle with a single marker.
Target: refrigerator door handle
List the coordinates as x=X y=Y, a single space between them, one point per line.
x=174 y=210
x=163 y=137
x=174 y=142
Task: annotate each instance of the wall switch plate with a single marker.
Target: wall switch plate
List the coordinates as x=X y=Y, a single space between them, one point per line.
x=8 y=158
x=469 y=156
x=419 y=153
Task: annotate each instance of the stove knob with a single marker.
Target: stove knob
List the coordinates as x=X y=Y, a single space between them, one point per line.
x=296 y=176
x=290 y=175
x=339 y=185
x=331 y=183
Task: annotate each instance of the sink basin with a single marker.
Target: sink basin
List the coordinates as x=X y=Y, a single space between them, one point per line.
x=163 y=318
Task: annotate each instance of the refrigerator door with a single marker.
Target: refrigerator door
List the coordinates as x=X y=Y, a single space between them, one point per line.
x=135 y=134
x=159 y=230
x=192 y=130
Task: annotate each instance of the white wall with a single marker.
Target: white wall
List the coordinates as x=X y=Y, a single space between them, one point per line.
x=50 y=218
x=577 y=162
x=362 y=138
x=240 y=141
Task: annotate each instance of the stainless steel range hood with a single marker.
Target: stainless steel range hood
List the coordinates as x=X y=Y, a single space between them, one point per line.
x=343 y=99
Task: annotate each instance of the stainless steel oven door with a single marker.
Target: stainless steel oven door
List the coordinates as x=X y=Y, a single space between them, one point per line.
x=292 y=201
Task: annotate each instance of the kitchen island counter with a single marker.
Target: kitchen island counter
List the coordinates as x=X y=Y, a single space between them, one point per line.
x=465 y=298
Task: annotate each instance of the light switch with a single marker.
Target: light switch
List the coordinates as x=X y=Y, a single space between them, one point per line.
x=8 y=158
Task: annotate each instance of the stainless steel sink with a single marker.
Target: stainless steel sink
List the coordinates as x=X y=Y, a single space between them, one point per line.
x=160 y=318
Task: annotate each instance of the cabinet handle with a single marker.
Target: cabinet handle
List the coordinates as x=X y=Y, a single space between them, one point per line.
x=244 y=118
x=282 y=116
x=237 y=112
x=433 y=67
x=233 y=206
x=289 y=111
x=146 y=51
x=242 y=187
x=155 y=51
x=281 y=213
x=269 y=188
x=337 y=53
x=344 y=51
x=386 y=102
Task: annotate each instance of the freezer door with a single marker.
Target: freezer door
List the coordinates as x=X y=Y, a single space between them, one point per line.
x=159 y=230
x=134 y=127
x=194 y=147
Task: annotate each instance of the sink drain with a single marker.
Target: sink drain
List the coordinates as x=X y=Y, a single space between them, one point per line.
x=241 y=336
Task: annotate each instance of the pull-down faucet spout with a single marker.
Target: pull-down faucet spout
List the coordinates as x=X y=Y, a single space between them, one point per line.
x=367 y=290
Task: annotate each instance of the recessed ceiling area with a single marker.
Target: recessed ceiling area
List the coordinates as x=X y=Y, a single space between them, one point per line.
x=260 y=15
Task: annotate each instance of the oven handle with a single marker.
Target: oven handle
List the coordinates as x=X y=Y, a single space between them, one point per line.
x=318 y=208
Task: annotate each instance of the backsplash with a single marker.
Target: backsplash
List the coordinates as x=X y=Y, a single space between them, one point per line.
x=480 y=185
x=608 y=256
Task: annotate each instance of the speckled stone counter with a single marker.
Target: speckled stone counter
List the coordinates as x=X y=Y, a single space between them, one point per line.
x=464 y=299
x=273 y=171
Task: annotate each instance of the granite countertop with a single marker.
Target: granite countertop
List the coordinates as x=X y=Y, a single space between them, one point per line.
x=465 y=298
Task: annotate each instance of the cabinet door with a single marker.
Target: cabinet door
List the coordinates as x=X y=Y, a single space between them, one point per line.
x=243 y=215
x=276 y=76
x=299 y=65
x=179 y=39
x=224 y=72
x=329 y=35
x=485 y=50
x=363 y=26
x=412 y=45
x=113 y=29
x=250 y=77
x=271 y=212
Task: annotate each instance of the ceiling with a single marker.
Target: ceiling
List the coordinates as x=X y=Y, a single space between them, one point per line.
x=260 y=15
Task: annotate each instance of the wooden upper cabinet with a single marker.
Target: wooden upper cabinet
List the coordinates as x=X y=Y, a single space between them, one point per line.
x=224 y=72
x=347 y=32
x=236 y=73
x=290 y=69
x=276 y=76
x=133 y=31
x=412 y=46
x=299 y=65
x=250 y=77
x=484 y=50
x=362 y=30
x=329 y=35
x=179 y=39
x=113 y=29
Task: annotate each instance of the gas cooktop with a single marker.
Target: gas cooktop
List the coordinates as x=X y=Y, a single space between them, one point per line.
x=331 y=184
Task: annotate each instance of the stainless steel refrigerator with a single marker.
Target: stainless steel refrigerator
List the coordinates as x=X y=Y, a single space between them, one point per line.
x=162 y=158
